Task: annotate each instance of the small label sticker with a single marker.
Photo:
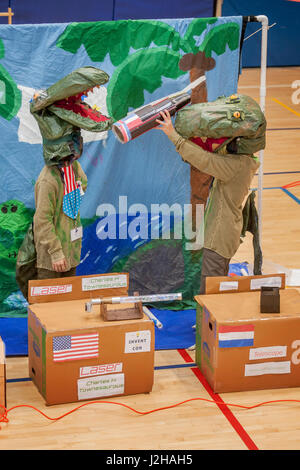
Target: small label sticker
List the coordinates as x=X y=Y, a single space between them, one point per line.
x=102 y=386
x=229 y=285
x=102 y=369
x=76 y=233
x=265 y=368
x=267 y=352
x=138 y=341
x=274 y=281
x=104 y=282
x=51 y=290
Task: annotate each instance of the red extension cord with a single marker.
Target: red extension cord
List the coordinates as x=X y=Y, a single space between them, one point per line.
x=4 y=418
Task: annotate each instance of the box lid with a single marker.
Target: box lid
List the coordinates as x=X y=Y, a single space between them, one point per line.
x=71 y=315
x=242 y=306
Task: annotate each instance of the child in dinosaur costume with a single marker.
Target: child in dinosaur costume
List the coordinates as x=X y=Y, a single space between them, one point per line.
x=52 y=246
x=219 y=138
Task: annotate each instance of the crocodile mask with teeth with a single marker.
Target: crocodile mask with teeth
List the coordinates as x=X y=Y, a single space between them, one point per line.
x=61 y=112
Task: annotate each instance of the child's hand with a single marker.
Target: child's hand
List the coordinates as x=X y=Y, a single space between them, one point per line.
x=60 y=266
x=166 y=125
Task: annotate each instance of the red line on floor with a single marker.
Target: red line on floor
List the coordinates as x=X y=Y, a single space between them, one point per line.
x=219 y=402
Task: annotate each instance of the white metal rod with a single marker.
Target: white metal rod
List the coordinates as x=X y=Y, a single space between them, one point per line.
x=152 y=317
x=133 y=299
x=263 y=75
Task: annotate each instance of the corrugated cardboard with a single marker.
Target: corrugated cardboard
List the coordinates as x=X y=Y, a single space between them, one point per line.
x=267 y=355
x=2 y=377
x=124 y=355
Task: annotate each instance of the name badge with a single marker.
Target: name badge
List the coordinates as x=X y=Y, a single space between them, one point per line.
x=76 y=233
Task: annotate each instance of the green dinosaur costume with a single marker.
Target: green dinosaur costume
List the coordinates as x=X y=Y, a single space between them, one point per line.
x=60 y=113
x=238 y=126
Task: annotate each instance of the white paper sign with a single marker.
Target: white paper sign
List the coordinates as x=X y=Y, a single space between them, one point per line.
x=229 y=285
x=101 y=386
x=267 y=352
x=293 y=278
x=264 y=368
x=51 y=290
x=104 y=282
x=137 y=341
x=265 y=281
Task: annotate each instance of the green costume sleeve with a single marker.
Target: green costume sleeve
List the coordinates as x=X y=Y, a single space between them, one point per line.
x=222 y=167
x=44 y=230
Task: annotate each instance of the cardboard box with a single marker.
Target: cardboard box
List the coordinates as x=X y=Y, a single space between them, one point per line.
x=237 y=347
x=2 y=377
x=75 y=355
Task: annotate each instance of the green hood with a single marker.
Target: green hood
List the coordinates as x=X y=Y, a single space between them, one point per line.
x=76 y=82
x=60 y=123
x=236 y=117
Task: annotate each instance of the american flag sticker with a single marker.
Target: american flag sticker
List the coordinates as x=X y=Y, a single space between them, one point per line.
x=236 y=336
x=72 y=347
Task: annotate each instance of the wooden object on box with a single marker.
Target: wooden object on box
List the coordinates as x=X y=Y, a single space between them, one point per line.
x=269 y=300
x=114 y=312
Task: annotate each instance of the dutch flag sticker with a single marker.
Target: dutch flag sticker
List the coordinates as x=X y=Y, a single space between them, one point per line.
x=231 y=336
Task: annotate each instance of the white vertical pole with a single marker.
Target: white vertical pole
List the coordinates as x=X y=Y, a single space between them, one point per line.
x=263 y=74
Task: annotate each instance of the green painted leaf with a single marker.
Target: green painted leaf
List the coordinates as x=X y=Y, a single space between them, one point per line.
x=141 y=71
x=195 y=28
x=10 y=95
x=2 y=49
x=219 y=37
x=116 y=38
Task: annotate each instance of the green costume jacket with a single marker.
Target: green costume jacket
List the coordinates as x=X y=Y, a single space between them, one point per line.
x=233 y=174
x=52 y=228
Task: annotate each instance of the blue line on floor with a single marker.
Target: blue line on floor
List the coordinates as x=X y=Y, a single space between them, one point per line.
x=284 y=129
x=174 y=366
x=291 y=195
x=25 y=379
x=280 y=173
x=273 y=187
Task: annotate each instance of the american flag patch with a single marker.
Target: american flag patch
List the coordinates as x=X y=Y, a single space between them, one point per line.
x=72 y=347
x=69 y=177
x=236 y=336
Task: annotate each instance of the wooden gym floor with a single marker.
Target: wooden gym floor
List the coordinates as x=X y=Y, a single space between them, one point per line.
x=199 y=424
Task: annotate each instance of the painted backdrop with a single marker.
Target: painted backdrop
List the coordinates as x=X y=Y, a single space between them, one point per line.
x=146 y=60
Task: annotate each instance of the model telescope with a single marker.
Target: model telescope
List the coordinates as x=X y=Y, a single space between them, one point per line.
x=118 y=308
x=143 y=119
x=132 y=299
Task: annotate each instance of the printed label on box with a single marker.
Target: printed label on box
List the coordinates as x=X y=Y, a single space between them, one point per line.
x=264 y=368
x=104 y=282
x=266 y=281
x=138 y=341
x=267 y=352
x=100 y=386
x=102 y=369
x=229 y=285
x=51 y=290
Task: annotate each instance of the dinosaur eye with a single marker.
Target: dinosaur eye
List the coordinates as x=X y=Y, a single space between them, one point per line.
x=4 y=209
x=14 y=209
